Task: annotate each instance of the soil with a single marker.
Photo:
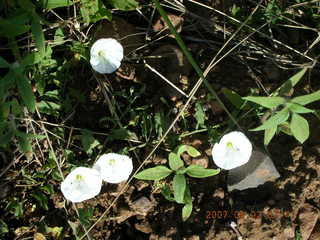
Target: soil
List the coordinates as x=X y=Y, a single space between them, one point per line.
x=279 y=210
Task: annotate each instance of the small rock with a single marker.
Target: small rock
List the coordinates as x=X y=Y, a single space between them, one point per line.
x=142 y=206
x=219 y=193
x=257 y=171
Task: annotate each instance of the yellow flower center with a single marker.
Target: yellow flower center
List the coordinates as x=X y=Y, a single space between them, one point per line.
x=112 y=162
x=101 y=53
x=79 y=177
x=229 y=145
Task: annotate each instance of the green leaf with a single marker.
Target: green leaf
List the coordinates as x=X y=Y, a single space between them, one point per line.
x=88 y=141
x=179 y=187
x=186 y=211
x=58 y=37
x=24 y=142
x=167 y=193
x=124 y=5
x=6 y=137
x=119 y=134
x=11 y=28
x=85 y=215
x=4 y=63
x=299 y=127
x=25 y=91
x=268 y=102
x=49 y=4
x=269 y=134
x=233 y=97
x=290 y=83
x=175 y=162
x=193 y=152
x=200 y=115
x=198 y=171
x=155 y=173
x=93 y=11
x=42 y=200
x=275 y=120
x=38 y=35
x=297 y=108
x=49 y=108
x=3 y=227
x=306 y=99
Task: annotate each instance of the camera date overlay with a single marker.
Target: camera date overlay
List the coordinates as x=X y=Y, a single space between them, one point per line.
x=269 y=214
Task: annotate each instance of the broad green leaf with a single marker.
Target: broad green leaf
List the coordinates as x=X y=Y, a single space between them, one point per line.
x=298 y=108
x=25 y=91
x=179 y=187
x=189 y=149
x=49 y=4
x=275 y=120
x=4 y=63
x=155 y=173
x=38 y=35
x=269 y=134
x=124 y=5
x=175 y=162
x=11 y=29
x=186 y=211
x=306 y=99
x=268 y=102
x=198 y=171
x=299 y=127
x=290 y=83
x=233 y=97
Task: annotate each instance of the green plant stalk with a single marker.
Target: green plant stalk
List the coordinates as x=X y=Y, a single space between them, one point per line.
x=191 y=60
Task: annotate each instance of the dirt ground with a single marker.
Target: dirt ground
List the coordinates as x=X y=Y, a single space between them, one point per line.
x=285 y=209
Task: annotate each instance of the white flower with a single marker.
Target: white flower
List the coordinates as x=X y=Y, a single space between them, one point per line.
x=233 y=150
x=106 y=55
x=81 y=184
x=113 y=167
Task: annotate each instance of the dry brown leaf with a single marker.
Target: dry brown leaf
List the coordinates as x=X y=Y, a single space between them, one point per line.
x=308 y=217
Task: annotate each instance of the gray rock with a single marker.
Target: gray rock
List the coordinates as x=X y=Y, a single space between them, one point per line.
x=257 y=171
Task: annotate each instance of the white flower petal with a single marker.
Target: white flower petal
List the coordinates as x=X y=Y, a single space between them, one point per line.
x=113 y=167
x=106 y=55
x=233 y=150
x=81 y=184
